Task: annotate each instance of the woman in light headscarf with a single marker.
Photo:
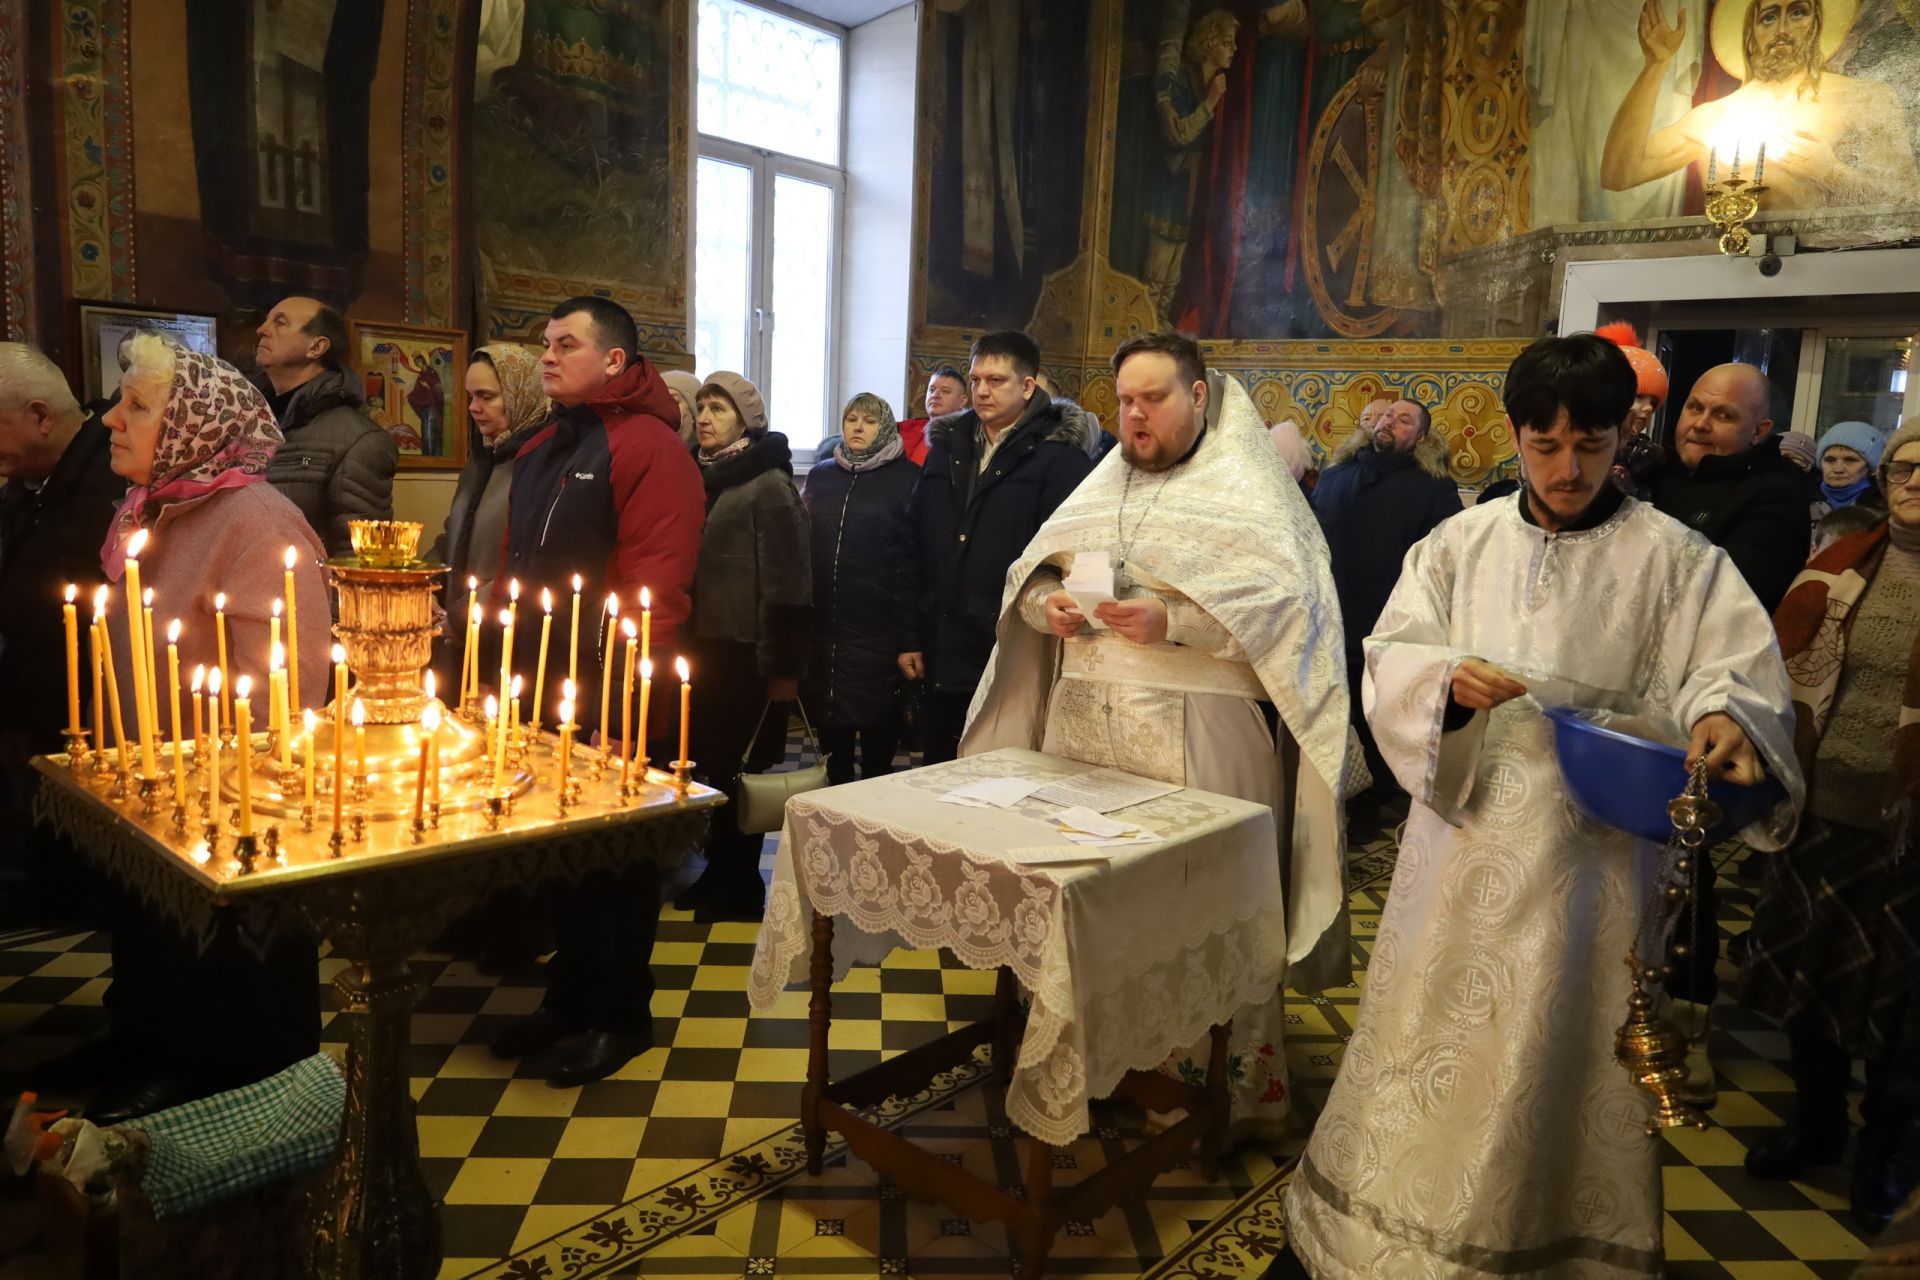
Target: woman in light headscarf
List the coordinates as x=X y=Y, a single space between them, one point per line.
x=856 y=501
x=194 y=438
x=507 y=406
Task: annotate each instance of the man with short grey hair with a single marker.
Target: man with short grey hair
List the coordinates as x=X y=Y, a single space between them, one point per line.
x=59 y=496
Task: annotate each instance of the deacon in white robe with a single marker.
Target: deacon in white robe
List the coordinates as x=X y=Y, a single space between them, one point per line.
x=1479 y=1125
x=1224 y=625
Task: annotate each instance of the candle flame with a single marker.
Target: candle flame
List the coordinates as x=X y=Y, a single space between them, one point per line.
x=308 y=720
x=427 y=686
x=100 y=600
x=686 y=673
x=646 y=668
x=476 y=613
x=173 y=632
x=646 y=598
x=613 y=605
x=219 y=601
x=243 y=687
x=430 y=719
x=278 y=606
x=493 y=708
x=566 y=711
x=473 y=583
x=199 y=677
x=630 y=631
x=146 y=597
x=72 y=592
x=292 y=558
x=513 y=589
x=546 y=599
x=136 y=544
x=505 y=617
x=513 y=690
x=577 y=584
x=214 y=681
x=278 y=660
x=359 y=713
x=339 y=654
x=567 y=690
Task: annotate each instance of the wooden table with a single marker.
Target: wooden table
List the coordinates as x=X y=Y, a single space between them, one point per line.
x=1187 y=915
x=378 y=903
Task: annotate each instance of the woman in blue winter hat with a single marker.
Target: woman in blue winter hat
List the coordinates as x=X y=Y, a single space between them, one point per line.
x=1849 y=456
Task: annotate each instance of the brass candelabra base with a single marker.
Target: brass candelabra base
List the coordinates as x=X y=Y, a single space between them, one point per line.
x=1731 y=204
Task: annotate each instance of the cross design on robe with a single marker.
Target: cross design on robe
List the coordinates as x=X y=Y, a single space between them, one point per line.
x=1505 y=784
x=1472 y=988
x=1486 y=888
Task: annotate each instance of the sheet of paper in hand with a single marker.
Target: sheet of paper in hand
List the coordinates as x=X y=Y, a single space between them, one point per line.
x=1090 y=584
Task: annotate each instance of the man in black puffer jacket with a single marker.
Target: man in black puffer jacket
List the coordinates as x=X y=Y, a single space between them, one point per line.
x=337 y=464
x=993 y=474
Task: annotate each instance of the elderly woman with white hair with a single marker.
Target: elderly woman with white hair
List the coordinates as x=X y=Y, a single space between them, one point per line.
x=194 y=437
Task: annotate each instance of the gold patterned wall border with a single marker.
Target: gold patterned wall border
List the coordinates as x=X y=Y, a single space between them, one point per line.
x=429 y=176
x=17 y=259
x=97 y=153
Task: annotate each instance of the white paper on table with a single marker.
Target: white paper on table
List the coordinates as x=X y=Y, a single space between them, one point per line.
x=1046 y=854
x=1104 y=790
x=994 y=793
x=1090 y=583
x=1086 y=822
x=1080 y=838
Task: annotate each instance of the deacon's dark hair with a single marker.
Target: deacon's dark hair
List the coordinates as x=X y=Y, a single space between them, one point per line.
x=331 y=325
x=1167 y=342
x=1582 y=373
x=1011 y=343
x=613 y=327
x=948 y=371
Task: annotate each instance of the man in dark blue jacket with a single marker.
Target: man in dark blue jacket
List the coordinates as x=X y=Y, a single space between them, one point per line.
x=1383 y=491
x=994 y=473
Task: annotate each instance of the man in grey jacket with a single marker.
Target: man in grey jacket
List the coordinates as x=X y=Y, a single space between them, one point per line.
x=337 y=464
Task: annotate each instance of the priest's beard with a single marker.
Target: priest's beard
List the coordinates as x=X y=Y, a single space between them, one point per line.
x=1538 y=502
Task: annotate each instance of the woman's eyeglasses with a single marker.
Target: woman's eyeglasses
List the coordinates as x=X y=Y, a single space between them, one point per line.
x=1898 y=473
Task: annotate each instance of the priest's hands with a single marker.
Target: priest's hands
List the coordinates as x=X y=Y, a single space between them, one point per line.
x=1481 y=686
x=1143 y=621
x=1728 y=752
x=1063 y=615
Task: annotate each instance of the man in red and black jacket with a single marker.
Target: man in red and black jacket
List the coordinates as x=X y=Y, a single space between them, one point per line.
x=608 y=491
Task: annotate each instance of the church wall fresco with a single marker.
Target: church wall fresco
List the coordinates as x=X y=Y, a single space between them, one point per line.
x=580 y=164
x=1330 y=189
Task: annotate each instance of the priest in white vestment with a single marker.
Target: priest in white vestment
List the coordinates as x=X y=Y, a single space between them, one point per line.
x=1479 y=1125
x=1223 y=626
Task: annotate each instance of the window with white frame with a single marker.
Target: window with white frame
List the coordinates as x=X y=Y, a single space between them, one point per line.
x=767 y=195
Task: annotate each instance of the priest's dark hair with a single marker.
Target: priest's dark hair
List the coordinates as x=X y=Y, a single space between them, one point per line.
x=1011 y=343
x=613 y=326
x=1166 y=342
x=1582 y=373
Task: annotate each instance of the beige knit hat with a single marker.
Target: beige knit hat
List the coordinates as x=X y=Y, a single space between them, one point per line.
x=745 y=396
x=686 y=389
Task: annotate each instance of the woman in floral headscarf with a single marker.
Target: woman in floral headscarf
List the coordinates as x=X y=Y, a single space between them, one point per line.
x=194 y=437
x=508 y=406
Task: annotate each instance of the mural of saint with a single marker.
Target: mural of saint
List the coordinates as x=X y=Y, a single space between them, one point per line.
x=1579 y=56
x=1831 y=139
x=1185 y=98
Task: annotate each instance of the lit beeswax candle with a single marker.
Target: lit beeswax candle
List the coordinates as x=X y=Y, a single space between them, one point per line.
x=359 y=738
x=136 y=630
x=113 y=687
x=646 y=623
x=291 y=559
x=626 y=700
x=646 y=697
x=71 y=618
x=282 y=713
x=540 y=670
x=214 y=681
x=420 y=778
x=220 y=650
x=273 y=643
x=99 y=688
x=153 y=668
x=243 y=734
x=506 y=677
x=493 y=741
x=430 y=726
x=198 y=684
x=606 y=669
x=173 y=695
x=339 y=733
x=573 y=642
x=469 y=663
x=566 y=741
x=686 y=702
x=308 y=722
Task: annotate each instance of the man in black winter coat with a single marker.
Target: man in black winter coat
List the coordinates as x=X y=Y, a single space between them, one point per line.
x=60 y=495
x=1727 y=478
x=993 y=474
x=1384 y=489
x=337 y=464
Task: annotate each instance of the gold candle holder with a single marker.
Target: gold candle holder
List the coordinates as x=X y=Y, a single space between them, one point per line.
x=335 y=843
x=359 y=825
x=361 y=793
x=682 y=775
x=210 y=832
x=496 y=809
x=245 y=849
x=419 y=829
x=180 y=821
x=119 y=789
x=78 y=756
x=306 y=817
x=433 y=814
x=272 y=842
x=150 y=784
x=385 y=544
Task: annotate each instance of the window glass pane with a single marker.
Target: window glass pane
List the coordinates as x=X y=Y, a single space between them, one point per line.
x=769 y=81
x=722 y=257
x=802 y=308
x=1864 y=380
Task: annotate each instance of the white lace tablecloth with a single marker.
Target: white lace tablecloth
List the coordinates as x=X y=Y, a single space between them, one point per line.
x=1126 y=960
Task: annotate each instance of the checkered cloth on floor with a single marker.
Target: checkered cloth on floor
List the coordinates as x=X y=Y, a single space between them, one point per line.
x=211 y=1150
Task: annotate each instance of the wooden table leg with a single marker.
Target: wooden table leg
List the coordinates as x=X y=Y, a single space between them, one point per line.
x=1219 y=1102
x=819 y=1022
x=1006 y=1019
x=371 y=1214
x=1036 y=1232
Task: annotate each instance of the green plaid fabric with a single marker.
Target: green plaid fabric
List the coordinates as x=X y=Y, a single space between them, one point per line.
x=214 y=1149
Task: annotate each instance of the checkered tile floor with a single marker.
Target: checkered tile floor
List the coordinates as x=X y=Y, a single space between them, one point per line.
x=685 y=1162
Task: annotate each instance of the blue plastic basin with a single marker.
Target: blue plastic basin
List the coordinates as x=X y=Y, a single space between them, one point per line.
x=1623 y=781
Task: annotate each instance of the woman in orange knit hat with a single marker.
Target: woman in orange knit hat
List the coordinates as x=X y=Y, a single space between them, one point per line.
x=1639 y=455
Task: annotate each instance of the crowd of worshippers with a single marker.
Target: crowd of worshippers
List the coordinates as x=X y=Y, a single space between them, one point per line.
x=867 y=593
